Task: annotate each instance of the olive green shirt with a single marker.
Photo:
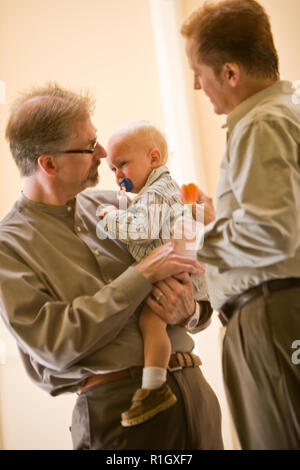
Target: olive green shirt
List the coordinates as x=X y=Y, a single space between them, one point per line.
x=256 y=234
x=69 y=298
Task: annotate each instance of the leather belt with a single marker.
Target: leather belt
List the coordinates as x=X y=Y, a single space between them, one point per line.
x=239 y=301
x=178 y=361
x=181 y=360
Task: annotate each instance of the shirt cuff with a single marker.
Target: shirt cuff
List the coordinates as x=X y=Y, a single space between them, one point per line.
x=133 y=284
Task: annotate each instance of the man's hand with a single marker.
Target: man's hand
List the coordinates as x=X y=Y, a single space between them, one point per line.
x=164 y=262
x=209 y=210
x=174 y=299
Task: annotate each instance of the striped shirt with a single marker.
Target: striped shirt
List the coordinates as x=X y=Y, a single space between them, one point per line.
x=148 y=221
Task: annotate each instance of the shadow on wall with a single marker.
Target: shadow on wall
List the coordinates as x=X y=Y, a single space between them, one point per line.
x=30 y=419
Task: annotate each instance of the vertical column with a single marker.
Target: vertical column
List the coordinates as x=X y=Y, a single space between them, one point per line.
x=178 y=107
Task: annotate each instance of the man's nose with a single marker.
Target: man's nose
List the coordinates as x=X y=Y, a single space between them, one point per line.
x=100 y=151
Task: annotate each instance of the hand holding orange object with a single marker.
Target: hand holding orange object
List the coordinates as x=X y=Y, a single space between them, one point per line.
x=191 y=194
x=209 y=209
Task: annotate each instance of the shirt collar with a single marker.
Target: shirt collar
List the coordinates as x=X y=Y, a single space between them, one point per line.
x=280 y=87
x=154 y=175
x=50 y=209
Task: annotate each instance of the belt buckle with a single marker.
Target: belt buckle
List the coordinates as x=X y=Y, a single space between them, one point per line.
x=176 y=368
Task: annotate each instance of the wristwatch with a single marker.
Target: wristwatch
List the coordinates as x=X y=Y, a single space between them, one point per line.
x=192 y=321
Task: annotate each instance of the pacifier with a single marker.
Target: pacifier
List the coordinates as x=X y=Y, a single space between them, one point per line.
x=126 y=185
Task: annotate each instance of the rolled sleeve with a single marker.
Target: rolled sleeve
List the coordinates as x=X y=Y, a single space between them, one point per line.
x=58 y=334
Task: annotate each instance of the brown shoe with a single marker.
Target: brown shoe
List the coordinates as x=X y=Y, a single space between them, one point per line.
x=148 y=403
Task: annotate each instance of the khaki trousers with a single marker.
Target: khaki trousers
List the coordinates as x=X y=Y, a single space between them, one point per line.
x=194 y=422
x=261 y=373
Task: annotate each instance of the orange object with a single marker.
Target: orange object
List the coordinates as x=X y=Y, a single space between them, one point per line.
x=189 y=193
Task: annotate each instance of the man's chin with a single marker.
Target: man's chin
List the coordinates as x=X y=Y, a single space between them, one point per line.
x=218 y=110
x=91 y=182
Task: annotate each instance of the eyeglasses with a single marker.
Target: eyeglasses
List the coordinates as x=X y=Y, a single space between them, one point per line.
x=92 y=150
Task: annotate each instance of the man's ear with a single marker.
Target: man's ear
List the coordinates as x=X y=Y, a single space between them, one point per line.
x=155 y=157
x=47 y=164
x=231 y=74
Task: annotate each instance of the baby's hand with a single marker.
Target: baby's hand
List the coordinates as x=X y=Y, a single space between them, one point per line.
x=103 y=212
x=191 y=194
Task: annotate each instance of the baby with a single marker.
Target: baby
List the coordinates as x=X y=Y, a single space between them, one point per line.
x=137 y=153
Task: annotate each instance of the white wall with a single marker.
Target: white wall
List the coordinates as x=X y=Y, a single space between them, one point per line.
x=103 y=45
x=30 y=419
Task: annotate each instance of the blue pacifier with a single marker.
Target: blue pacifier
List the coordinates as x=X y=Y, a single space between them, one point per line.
x=127 y=184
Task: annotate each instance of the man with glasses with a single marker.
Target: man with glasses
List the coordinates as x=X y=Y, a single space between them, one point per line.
x=70 y=299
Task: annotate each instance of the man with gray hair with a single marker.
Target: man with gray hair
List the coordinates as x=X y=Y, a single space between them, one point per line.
x=70 y=299
x=252 y=250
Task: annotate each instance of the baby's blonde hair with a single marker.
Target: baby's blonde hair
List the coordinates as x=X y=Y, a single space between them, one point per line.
x=146 y=131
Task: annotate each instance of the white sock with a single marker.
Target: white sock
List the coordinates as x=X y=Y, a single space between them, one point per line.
x=153 y=377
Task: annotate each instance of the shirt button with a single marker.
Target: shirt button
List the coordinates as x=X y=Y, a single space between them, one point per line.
x=69 y=208
x=78 y=228
x=97 y=252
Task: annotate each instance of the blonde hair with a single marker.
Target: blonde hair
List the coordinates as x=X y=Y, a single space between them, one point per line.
x=147 y=132
x=41 y=121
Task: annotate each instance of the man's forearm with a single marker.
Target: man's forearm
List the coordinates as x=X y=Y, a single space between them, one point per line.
x=59 y=333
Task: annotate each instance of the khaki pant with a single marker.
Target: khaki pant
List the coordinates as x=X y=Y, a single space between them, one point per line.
x=194 y=422
x=261 y=375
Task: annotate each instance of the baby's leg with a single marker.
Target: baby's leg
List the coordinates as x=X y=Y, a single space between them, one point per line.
x=155 y=395
x=157 y=345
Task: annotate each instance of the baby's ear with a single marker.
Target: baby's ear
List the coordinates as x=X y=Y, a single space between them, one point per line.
x=155 y=156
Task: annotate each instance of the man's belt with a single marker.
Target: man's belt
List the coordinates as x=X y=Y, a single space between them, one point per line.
x=181 y=360
x=178 y=361
x=239 y=301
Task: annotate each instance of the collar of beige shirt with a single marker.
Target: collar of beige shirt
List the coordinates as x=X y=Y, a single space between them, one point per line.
x=242 y=109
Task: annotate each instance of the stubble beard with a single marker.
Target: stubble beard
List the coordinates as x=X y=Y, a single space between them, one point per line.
x=92 y=180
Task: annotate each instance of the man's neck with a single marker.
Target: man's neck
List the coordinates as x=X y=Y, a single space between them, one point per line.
x=250 y=87
x=38 y=191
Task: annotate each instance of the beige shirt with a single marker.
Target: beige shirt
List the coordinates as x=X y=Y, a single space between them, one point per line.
x=69 y=298
x=256 y=234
